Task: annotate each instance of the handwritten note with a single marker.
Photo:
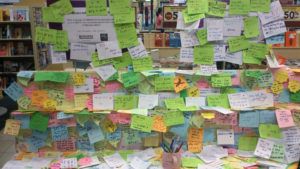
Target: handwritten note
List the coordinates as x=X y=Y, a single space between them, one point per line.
x=221 y=81
x=61 y=41
x=251 y=25
x=108 y=49
x=238 y=43
x=225 y=137
x=14 y=91
x=233 y=26
x=215 y=29
x=138 y=163
x=142 y=123
x=269 y=131
x=125 y=102
x=147 y=101
x=105 y=72
x=126 y=35
x=204 y=55
x=158 y=124
x=278 y=153
x=239 y=7
x=249 y=119
x=216 y=8
x=188 y=39
x=24 y=102
x=69 y=163
x=12 y=127
x=173 y=118
x=78 y=79
x=197 y=6
x=59 y=133
x=294 y=86
x=284 y=118
x=39 y=122
x=130 y=79
x=247 y=143
x=114 y=160
x=103 y=101
x=174 y=103
x=218 y=100
x=275 y=14
x=202 y=36
x=186 y=55
x=180 y=83
x=164 y=83
x=138 y=51
x=96 y=7
x=195 y=138
x=260 y=5
x=274 y=28
x=264 y=148
x=59 y=77
x=142 y=64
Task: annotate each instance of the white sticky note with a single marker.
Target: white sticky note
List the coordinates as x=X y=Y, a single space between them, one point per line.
x=80 y=51
x=114 y=160
x=208 y=70
x=188 y=39
x=264 y=148
x=104 y=101
x=291 y=135
x=148 y=101
x=215 y=29
x=236 y=58
x=195 y=101
x=69 y=163
x=276 y=13
x=225 y=137
x=186 y=55
x=292 y=152
x=88 y=87
x=182 y=26
x=260 y=98
x=238 y=101
x=108 y=49
x=138 y=163
x=233 y=26
x=219 y=52
x=138 y=51
x=106 y=71
x=274 y=28
x=57 y=57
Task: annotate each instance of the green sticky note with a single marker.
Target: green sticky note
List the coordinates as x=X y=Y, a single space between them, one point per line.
x=141 y=64
x=238 y=43
x=130 y=79
x=39 y=122
x=123 y=18
x=258 y=50
x=216 y=8
x=202 y=36
x=125 y=102
x=164 y=83
x=63 y=6
x=204 y=55
x=189 y=108
x=247 y=58
x=123 y=61
x=62 y=41
x=251 y=27
x=141 y=123
x=221 y=81
x=82 y=118
x=119 y=6
x=278 y=153
x=45 y=35
x=247 y=143
x=190 y=162
x=269 y=131
x=191 y=18
x=51 y=14
x=173 y=118
x=174 y=103
x=96 y=62
x=239 y=7
x=220 y=100
x=260 y=5
x=295 y=97
x=197 y=6
x=96 y=8
x=125 y=153
x=60 y=77
x=126 y=34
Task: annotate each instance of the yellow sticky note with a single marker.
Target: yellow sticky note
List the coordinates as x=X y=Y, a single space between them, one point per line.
x=158 y=124
x=193 y=92
x=294 y=86
x=108 y=125
x=195 y=138
x=80 y=101
x=180 y=83
x=38 y=96
x=277 y=87
x=78 y=79
x=208 y=115
x=50 y=104
x=12 y=127
x=281 y=76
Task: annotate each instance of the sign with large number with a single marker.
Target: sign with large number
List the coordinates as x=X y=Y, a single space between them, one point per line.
x=291 y=13
x=171 y=15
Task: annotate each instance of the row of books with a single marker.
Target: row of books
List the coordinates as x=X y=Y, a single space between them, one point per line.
x=5 y=81
x=153 y=40
x=15 y=32
x=14 y=14
x=16 y=48
x=290 y=2
x=16 y=66
x=290 y=40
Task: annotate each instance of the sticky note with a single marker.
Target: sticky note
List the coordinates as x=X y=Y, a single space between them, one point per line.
x=278 y=153
x=247 y=143
x=267 y=116
x=125 y=17
x=197 y=6
x=173 y=118
x=276 y=87
x=202 y=36
x=142 y=64
x=158 y=124
x=221 y=81
x=104 y=101
x=193 y=91
x=123 y=61
x=174 y=103
x=59 y=133
x=218 y=100
x=281 y=76
x=96 y=7
x=147 y=101
x=295 y=97
x=269 y=131
x=195 y=139
x=239 y=7
x=225 y=137
x=14 y=91
x=39 y=122
x=24 y=119
x=24 y=102
x=190 y=162
x=294 y=86
x=130 y=79
x=94 y=132
x=62 y=41
x=204 y=55
x=251 y=27
x=249 y=119
x=78 y=79
x=49 y=104
x=69 y=163
x=216 y=8
x=64 y=6
x=142 y=123
x=51 y=14
x=125 y=102
x=164 y=83
x=60 y=77
x=189 y=18
x=180 y=83
x=126 y=35
x=264 y=148
x=38 y=96
x=284 y=118
x=260 y=5
x=12 y=127
x=237 y=44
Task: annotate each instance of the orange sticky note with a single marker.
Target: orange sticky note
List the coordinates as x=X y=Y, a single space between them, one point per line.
x=294 y=86
x=50 y=104
x=277 y=87
x=158 y=124
x=78 y=79
x=180 y=83
x=193 y=92
x=281 y=76
x=12 y=127
x=195 y=139
x=38 y=97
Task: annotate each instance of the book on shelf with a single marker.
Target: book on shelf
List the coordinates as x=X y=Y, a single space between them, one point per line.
x=4 y=49
x=291 y=39
x=21 y=14
x=6 y=14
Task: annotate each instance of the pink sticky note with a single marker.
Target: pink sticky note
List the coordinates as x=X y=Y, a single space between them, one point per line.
x=86 y=161
x=113 y=86
x=284 y=118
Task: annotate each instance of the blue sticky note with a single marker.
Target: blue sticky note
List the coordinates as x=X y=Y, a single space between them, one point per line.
x=14 y=91
x=82 y=130
x=184 y=127
x=284 y=96
x=25 y=119
x=62 y=115
x=94 y=132
x=35 y=144
x=25 y=74
x=209 y=135
x=249 y=119
x=267 y=116
x=84 y=144
x=278 y=39
x=59 y=133
x=115 y=135
x=39 y=134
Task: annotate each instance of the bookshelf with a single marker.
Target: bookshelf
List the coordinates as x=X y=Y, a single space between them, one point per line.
x=16 y=43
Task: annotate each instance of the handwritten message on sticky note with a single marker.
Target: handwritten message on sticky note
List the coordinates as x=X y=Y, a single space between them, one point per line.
x=147 y=101
x=225 y=137
x=142 y=123
x=14 y=91
x=251 y=25
x=130 y=79
x=218 y=100
x=269 y=131
x=12 y=127
x=180 y=83
x=96 y=7
x=264 y=148
x=195 y=138
x=158 y=124
x=197 y=6
x=141 y=64
x=174 y=103
x=69 y=163
x=125 y=102
x=239 y=7
x=173 y=118
x=39 y=122
x=284 y=118
x=126 y=35
x=238 y=43
x=249 y=119
x=59 y=133
x=221 y=81
x=164 y=83
x=247 y=143
x=204 y=55
x=78 y=79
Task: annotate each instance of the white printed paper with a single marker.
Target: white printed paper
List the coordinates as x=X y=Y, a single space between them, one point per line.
x=236 y=58
x=109 y=49
x=104 y=101
x=106 y=71
x=148 y=101
x=186 y=55
x=238 y=101
x=264 y=148
x=219 y=52
x=233 y=26
x=69 y=163
x=208 y=70
x=292 y=152
x=215 y=29
x=274 y=28
x=225 y=137
x=80 y=51
x=188 y=39
x=57 y=57
x=195 y=101
x=114 y=160
x=137 y=163
x=88 y=87
x=138 y=51
x=183 y=26
x=276 y=13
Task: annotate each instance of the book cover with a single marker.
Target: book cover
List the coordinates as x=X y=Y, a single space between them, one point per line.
x=291 y=39
x=6 y=14
x=159 y=38
x=286 y=2
x=17 y=33
x=167 y=39
x=4 y=49
x=21 y=15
